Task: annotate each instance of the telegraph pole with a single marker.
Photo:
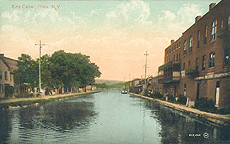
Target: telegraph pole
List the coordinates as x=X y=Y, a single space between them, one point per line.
x=40 y=49
x=146 y=54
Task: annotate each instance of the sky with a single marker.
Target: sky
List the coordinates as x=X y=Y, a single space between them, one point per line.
x=115 y=34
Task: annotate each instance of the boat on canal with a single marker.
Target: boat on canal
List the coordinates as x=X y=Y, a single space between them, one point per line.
x=123 y=92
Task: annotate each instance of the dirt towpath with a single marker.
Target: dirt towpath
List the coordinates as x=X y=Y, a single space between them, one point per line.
x=214 y=119
x=48 y=96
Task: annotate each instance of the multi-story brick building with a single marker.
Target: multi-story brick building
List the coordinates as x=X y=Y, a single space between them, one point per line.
x=197 y=64
x=7 y=65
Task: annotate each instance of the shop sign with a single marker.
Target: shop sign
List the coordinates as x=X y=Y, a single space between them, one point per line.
x=209 y=75
x=212 y=75
x=222 y=74
x=197 y=78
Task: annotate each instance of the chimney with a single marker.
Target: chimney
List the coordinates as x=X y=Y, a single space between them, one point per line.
x=197 y=18
x=172 y=41
x=1 y=55
x=212 y=5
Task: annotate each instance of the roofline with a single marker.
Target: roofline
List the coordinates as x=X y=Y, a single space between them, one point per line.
x=195 y=23
x=203 y=16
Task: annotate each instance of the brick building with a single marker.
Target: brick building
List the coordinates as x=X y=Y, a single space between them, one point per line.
x=197 y=64
x=7 y=65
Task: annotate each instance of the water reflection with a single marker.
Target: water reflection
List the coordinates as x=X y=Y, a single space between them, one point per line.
x=5 y=126
x=60 y=115
x=180 y=128
x=107 y=117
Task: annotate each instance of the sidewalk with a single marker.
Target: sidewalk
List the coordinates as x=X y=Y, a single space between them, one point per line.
x=214 y=119
x=48 y=96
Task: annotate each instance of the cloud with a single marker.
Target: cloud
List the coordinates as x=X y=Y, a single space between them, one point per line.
x=15 y=41
x=189 y=12
x=13 y=16
x=129 y=13
x=95 y=12
x=14 y=33
x=180 y=20
x=169 y=16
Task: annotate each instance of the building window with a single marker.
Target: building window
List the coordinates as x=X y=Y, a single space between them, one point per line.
x=11 y=77
x=196 y=64
x=226 y=56
x=185 y=49
x=214 y=30
x=211 y=59
x=203 y=63
x=198 y=39
x=229 y=21
x=188 y=64
x=0 y=74
x=183 y=66
x=205 y=34
x=6 y=78
x=222 y=24
x=190 y=44
x=184 y=89
x=1 y=88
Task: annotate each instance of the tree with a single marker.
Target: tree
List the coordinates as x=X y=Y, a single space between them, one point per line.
x=72 y=70
x=60 y=70
x=27 y=73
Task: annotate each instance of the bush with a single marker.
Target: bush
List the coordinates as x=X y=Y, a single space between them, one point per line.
x=206 y=104
x=145 y=93
x=156 y=95
x=182 y=99
x=9 y=90
x=170 y=98
x=23 y=95
x=223 y=111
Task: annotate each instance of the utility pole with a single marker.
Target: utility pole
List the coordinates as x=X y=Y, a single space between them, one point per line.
x=146 y=54
x=40 y=49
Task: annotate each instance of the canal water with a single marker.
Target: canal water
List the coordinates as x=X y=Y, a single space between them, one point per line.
x=105 y=118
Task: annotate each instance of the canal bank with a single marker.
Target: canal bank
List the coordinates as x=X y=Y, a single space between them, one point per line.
x=205 y=117
x=19 y=102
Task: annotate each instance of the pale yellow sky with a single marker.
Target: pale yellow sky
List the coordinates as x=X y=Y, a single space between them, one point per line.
x=115 y=34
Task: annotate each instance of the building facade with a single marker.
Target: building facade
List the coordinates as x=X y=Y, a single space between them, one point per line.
x=7 y=66
x=197 y=64
x=135 y=86
x=152 y=85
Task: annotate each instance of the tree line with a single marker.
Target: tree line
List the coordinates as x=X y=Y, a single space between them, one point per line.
x=59 y=70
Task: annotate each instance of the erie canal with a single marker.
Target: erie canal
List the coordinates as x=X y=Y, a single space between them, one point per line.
x=105 y=118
